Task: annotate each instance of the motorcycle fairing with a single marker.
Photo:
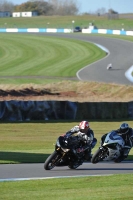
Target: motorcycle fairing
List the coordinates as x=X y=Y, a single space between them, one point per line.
x=113 y=138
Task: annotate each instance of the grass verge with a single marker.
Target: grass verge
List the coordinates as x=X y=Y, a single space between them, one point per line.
x=112 y=187
x=101 y=22
x=25 y=56
x=33 y=142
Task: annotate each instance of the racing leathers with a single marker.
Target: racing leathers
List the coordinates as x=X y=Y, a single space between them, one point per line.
x=88 y=141
x=128 y=139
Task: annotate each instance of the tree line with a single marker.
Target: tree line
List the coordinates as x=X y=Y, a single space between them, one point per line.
x=42 y=7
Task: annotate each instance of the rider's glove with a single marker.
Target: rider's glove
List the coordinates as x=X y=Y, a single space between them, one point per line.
x=75 y=129
x=80 y=134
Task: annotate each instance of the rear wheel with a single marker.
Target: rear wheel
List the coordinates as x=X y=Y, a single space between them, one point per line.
x=98 y=156
x=51 y=161
x=75 y=163
x=119 y=159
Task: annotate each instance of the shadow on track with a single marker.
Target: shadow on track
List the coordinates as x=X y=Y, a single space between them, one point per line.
x=22 y=157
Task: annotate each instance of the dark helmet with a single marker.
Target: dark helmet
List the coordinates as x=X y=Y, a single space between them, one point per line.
x=124 y=128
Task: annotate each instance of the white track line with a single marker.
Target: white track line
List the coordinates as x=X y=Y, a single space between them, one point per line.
x=128 y=74
x=42 y=178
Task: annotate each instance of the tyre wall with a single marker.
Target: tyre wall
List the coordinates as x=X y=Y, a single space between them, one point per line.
x=63 y=110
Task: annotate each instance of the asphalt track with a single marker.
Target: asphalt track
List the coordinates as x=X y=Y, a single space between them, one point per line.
x=121 y=57
x=35 y=171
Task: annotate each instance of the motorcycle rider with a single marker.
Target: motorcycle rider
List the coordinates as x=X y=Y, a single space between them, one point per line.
x=86 y=135
x=126 y=133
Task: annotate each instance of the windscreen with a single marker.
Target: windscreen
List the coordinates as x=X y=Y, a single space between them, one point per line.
x=114 y=136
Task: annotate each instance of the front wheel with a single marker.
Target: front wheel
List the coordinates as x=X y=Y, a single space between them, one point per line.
x=98 y=156
x=51 y=161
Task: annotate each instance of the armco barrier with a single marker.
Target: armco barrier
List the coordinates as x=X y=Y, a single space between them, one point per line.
x=34 y=30
x=63 y=110
x=61 y=30
x=106 y=31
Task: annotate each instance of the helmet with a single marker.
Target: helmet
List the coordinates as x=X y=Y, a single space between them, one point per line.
x=83 y=126
x=124 y=128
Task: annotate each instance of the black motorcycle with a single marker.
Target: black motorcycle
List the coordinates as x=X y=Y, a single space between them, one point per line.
x=65 y=153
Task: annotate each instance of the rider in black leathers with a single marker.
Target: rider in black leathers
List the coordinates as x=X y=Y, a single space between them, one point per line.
x=86 y=134
x=126 y=133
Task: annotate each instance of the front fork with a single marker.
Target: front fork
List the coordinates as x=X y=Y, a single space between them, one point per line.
x=61 y=153
x=104 y=151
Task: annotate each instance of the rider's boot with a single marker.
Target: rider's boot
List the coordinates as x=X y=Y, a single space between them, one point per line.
x=125 y=151
x=124 y=154
x=88 y=155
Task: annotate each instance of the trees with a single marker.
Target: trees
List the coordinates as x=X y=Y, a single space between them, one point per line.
x=101 y=11
x=52 y=7
x=41 y=7
x=6 y=6
x=64 y=7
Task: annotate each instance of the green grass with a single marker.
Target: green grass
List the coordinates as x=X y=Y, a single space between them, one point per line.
x=35 y=55
x=33 y=142
x=112 y=187
x=66 y=22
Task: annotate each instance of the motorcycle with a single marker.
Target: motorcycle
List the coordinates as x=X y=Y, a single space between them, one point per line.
x=65 y=153
x=110 y=150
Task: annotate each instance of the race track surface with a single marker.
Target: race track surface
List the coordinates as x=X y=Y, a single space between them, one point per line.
x=120 y=55
x=12 y=171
